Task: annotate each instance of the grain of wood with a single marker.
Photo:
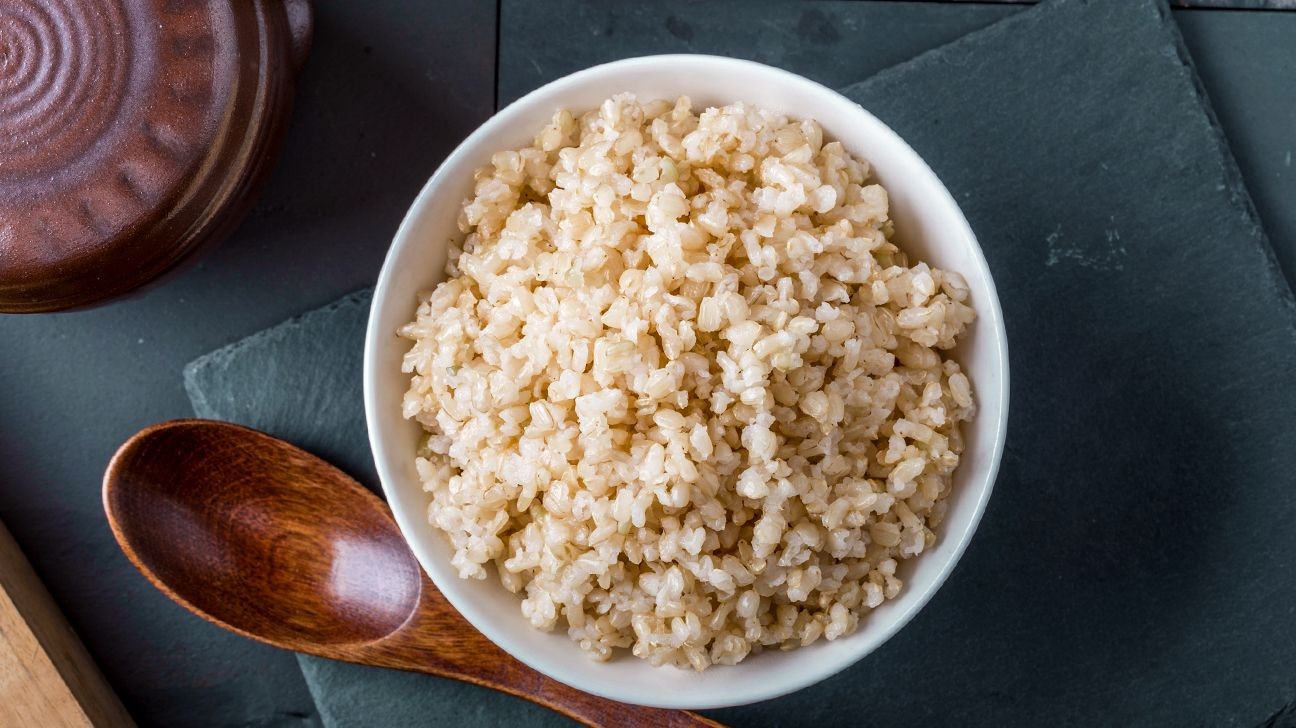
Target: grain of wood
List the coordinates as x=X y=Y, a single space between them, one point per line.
x=47 y=678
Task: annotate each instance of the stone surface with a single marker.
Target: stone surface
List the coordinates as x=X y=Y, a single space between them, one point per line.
x=1230 y=4
x=387 y=92
x=354 y=695
x=1131 y=567
x=1132 y=564
x=300 y=381
x=1247 y=62
x=834 y=43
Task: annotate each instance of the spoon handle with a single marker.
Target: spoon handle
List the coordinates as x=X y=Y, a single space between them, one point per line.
x=438 y=641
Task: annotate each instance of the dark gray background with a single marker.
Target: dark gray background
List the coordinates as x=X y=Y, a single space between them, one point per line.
x=392 y=86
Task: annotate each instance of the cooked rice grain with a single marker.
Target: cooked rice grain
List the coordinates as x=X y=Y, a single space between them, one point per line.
x=681 y=390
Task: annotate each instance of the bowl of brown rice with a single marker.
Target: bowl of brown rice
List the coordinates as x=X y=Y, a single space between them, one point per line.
x=686 y=381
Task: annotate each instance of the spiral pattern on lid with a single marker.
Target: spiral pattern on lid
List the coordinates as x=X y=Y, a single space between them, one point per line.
x=63 y=73
x=131 y=132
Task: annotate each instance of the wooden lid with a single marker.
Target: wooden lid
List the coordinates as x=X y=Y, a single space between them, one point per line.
x=131 y=133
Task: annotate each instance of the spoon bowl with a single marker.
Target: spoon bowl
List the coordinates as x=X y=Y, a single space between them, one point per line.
x=268 y=541
x=246 y=529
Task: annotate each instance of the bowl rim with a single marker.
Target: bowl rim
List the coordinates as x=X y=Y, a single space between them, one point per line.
x=989 y=314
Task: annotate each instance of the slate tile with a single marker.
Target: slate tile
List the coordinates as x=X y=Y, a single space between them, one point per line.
x=1134 y=564
x=1131 y=564
x=353 y=695
x=300 y=380
x=834 y=43
x=1247 y=62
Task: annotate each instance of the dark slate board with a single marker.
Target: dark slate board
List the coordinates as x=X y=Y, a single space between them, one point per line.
x=1246 y=60
x=1134 y=565
x=352 y=695
x=834 y=43
x=1228 y=4
x=300 y=380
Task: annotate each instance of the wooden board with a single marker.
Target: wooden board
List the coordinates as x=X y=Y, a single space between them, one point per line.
x=47 y=678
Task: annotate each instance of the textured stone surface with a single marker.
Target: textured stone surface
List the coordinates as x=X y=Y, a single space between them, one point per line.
x=389 y=89
x=353 y=695
x=1131 y=567
x=1230 y=4
x=300 y=380
x=1132 y=564
x=834 y=43
x=1247 y=62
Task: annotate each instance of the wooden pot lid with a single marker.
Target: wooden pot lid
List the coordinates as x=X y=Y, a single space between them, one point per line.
x=131 y=133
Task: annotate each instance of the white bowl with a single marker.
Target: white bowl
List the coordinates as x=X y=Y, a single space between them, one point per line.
x=928 y=224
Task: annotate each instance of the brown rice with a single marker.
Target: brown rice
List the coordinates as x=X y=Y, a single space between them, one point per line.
x=680 y=389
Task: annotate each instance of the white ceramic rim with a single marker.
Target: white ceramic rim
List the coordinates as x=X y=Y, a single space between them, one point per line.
x=990 y=316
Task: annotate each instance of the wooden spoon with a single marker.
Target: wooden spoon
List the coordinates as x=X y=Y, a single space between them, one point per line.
x=270 y=542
